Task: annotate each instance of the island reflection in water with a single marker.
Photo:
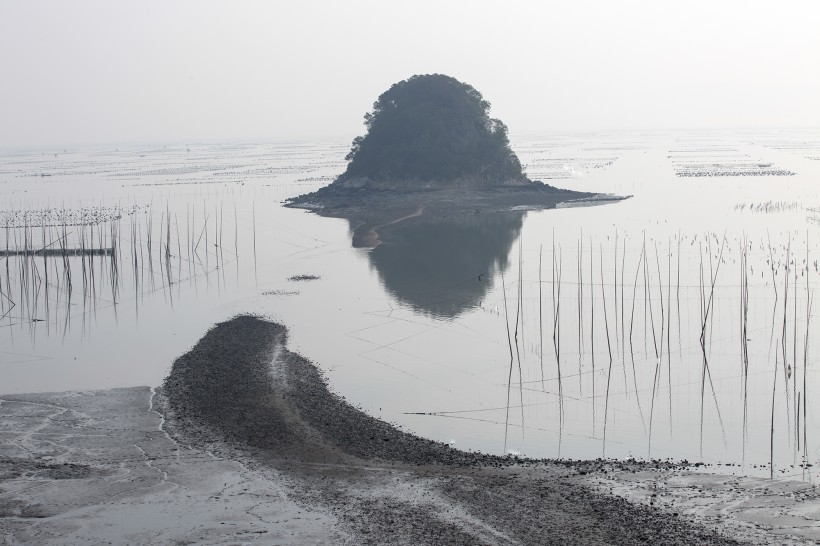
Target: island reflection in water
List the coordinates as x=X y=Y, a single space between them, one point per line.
x=445 y=266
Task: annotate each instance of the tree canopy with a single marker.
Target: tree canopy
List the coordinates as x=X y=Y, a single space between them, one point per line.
x=433 y=128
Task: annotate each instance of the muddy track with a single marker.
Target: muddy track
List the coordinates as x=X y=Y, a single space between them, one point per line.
x=240 y=388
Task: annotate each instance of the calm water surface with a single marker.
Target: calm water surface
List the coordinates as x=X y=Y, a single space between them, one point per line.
x=612 y=330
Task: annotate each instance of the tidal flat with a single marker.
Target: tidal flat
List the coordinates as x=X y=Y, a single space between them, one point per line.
x=299 y=465
x=673 y=326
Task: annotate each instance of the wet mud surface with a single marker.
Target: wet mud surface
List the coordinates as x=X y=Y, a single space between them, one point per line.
x=243 y=395
x=246 y=444
x=95 y=467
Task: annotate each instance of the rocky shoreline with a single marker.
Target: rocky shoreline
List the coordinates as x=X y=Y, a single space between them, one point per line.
x=241 y=392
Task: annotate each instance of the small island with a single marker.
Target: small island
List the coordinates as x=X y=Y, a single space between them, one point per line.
x=431 y=148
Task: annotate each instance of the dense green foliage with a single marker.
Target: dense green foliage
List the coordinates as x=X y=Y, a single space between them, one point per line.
x=433 y=128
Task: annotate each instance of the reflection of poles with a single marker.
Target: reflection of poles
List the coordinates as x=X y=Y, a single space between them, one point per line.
x=609 y=348
x=771 y=433
x=45 y=273
x=646 y=295
x=8 y=272
x=150 y=253
x=221 y=226
x=82 y=261
x=254 y=242
x=744 y=343
x=556 y=324
x=794 y=363
x=669 y=325
x=11 y=303
x=188 y=243
x=707 y=373
x=677 y=296
x=805 y=358
x=592 y=329
x=521 y=285
x=615 y=288
x=663 y=326
x=623 y=324
x=517 y=351
x=236 y=241
x=168 y=266
x=783 y=337
x=540 y=315
x=809 y=299
x=774 y=305
x=207 y=248
x=655 y=380
x=509 y=342
x=179 y=250
x=580 y=312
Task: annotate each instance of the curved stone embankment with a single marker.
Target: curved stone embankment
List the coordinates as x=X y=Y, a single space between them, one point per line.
x=242 y=392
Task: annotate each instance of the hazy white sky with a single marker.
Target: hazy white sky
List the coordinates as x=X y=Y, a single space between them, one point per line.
x=114 y=71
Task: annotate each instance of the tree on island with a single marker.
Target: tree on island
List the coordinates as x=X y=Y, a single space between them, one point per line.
x=432 y=131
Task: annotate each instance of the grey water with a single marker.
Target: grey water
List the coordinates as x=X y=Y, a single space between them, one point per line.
x=614 y=330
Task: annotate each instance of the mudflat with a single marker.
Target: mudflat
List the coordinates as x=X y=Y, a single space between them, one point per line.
x=245 y=442
x=95 y=467
x=241 y=389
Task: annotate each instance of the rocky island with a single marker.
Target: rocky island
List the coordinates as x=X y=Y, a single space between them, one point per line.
x=431 y=148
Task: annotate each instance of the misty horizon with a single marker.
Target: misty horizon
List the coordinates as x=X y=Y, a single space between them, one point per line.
x=94 y=72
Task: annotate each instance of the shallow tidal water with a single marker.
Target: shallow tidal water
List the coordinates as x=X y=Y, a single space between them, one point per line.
x=614 y=330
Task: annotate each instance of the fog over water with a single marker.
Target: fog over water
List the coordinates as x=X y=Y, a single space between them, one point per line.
x=153 y=145
x=678 y=323
x=100 y=72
